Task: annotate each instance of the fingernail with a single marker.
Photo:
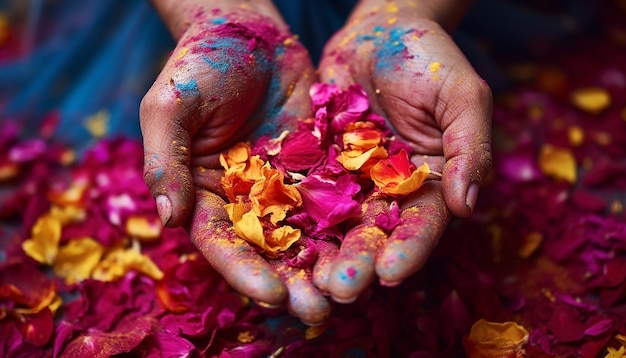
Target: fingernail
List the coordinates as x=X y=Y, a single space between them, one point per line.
x=312 y=324
x=164 y=207
x=389 y=283
x=267 y=305
x=344 y=300
x=471 y=196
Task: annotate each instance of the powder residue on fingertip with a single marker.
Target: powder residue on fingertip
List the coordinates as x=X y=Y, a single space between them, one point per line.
x=158 y=174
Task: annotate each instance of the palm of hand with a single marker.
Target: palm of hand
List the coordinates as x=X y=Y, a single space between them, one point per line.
x=420 y=81
x=227 y=81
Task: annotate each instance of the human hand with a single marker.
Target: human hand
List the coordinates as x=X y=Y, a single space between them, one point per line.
x=419 y=80
x=236 y=74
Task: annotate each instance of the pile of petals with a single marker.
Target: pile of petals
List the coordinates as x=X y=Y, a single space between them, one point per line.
x=309 y=182
x=86 y=271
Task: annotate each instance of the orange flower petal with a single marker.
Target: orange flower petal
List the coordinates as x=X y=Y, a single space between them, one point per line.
x=355 y=159
x=393 y=176
x=496 y=340
x=362 y=136
x=411 y=183
x=8 y=171
x=72 y=195
x=272 y=197
x=242 y=171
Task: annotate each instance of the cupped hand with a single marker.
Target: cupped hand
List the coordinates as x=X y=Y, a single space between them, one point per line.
x=232 y=77
x=418 y=79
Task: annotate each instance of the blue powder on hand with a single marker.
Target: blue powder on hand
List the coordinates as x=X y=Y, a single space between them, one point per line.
x=224 y=52
x=189 y=88
x=158 y=174
x=388 y=46
x=220 y=66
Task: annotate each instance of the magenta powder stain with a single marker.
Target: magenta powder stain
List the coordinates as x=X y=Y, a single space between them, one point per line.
x=351 y=272
x=173 y=186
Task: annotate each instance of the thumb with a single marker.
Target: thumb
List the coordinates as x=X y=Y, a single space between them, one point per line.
x=466 y=122
x=166 y=156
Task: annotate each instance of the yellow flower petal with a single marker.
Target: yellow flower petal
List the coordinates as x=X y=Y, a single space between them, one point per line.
x=558 y=163
x=591 y=99
x=98 y=124
x=282 y=238
x=144 y=228
x=615 y=353
x=67 y=214
x=248 y=227
x=246 y=224
x=43 y=245
x=496 y=340
x=120 y=261
x=238 y=154
x=76 y=260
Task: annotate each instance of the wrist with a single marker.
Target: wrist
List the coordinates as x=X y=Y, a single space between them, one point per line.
x=179 y=15
x=446 y=13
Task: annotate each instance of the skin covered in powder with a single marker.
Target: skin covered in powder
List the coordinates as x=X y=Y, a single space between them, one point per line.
x=235 y=74
x=229 y=72
x=419 y=80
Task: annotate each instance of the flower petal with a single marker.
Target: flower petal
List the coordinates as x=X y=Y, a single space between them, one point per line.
x=491 y=339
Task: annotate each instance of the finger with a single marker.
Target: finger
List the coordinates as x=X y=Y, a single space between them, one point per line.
x=327 y=251
x=353 y=268
x=240 y=265
x=193 y=99
x=466 y=122
x=167 y=151
x=424 y=217
x=305 y=301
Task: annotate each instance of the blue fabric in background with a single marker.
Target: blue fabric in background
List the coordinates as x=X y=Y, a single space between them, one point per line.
x=315 y=21
x=87 y=57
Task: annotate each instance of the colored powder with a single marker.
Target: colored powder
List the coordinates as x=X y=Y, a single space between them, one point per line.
x=274 y=97
x=189 y=88
x=218 y=65
x=388 y=46
x=230 y=45
x=351 y=271
x=158 y=174
x=219 y=21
